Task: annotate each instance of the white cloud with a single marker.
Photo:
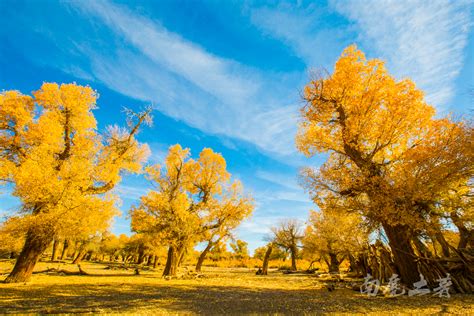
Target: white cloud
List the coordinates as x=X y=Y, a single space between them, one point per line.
x=214 y=94
x=424 y=40
x=131 y=192
x=158 y=153
x=301 y=29
x=283 y=180
x=220 y=77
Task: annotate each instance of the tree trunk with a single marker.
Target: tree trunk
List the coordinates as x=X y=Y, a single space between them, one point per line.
x=141 y=254
x=34 y=246
x=466 y=236
x=358 y=264
x=266 y=259
x=80 y=255
x=56 y=245
x=466 y=239
x=421 y=247
x=181 y=254
x=155 y=261
x=77 y=249
x=88 y=256
x=352 y=264
x=333 y=263
x=202 y=256
x=444 y=244
x=172 y=262
x=149 y=260
x=293 y=251
x=65 y=249
x=399 y=237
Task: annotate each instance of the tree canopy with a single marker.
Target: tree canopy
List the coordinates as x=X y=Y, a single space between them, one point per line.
x=390 y=159
x=193 y=199
x=59 y=166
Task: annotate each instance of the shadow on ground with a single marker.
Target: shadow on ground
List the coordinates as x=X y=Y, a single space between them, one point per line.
x=177 y=298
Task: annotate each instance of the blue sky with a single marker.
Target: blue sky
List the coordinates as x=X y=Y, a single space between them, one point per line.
x=228 y=74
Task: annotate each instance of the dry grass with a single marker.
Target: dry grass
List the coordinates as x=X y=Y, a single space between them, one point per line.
x=223 y=291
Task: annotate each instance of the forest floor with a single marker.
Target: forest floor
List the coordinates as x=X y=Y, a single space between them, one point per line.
x=219 y=292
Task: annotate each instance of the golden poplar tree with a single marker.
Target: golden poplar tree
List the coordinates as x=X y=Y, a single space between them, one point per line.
x=333 y=236
x=287 y=235
x=59 y=165
x=192 y=197
x=389 y=158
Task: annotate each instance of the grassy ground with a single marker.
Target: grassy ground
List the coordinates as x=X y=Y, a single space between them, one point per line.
x=222 y=291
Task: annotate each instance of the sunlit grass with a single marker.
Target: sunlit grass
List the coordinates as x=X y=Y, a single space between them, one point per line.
x=222 y=291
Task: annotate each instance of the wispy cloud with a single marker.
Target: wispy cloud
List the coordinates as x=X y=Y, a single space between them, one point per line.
x=214 y=94
x=260 y=225
x=158 y=153
x=302 y=28
x=424 y=40
x=220 y=77
x=284 y=180
x=129 y=192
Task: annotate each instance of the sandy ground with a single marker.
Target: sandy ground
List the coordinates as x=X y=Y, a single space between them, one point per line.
x=220 y=291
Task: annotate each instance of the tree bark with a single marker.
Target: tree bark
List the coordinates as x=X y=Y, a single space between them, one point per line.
x=266 y=259
x=149 y=260
x=172 y=261
x=293 y=251
x=65 y=249
x=444 y=244
x=34 y=246
x=181 y=253
x=88 y=256
x=466 y=236
x=421 y=247
x=141 y=254
x=399 y=237
x=80 y=255
x=77 y=249
x=202 y=256
x=333 y=263
x=56 y=244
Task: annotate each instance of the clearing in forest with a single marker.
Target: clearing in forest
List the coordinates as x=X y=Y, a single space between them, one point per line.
x=219 y=291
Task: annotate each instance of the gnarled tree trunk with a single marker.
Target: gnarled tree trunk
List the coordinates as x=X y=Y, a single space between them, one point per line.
x=202 y=256
x=35 y=245
x=175 y=254
x=466 y=235
x=56 y=245
x=266 y=259
x=141 y=254
x=333 y=263
x=81 y=254
x=444 y=244
x=294 y=252
x=65 y=249
x=399 y=238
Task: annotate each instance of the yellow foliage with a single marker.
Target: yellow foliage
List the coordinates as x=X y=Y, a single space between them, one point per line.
x=59 y=166
x=389 y=158
x=333 y=233
x=192 y=199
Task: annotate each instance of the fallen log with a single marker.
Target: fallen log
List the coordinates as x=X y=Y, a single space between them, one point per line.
x=62 y=271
